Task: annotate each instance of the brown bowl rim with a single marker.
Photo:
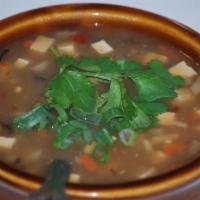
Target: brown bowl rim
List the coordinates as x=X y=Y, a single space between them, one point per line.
x=159 y=184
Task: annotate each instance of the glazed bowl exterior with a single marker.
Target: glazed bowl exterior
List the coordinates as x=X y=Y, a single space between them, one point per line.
x=183 y=183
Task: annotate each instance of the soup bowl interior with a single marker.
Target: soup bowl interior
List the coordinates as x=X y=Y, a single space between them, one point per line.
x=43 y=20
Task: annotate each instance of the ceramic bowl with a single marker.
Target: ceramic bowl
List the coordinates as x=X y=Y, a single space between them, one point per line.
x=183 y=183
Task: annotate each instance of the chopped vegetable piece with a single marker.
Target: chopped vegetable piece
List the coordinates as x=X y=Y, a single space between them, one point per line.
x=40 y=67
x=89 y=148
x=101 y=154
x=37 y=118
x=174 y=148
x=4 y=65
x=21 y=63
x=7 y=142
x=103 y=137
x=102 y=47
x=63 y=139
x=28 y=43
x=68 y=49
x=127 y=136
x=42 y=44
x=184 y=96
x=167 y=118
x=88 y=163
x=182 y=69
x=74 y=178
x=79 y=39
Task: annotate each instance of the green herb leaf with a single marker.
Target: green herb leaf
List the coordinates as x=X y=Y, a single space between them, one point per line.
x=36 y=118
x=136 y=117
x=172 y=81
x=63 y=139
x=113 y=96
x=91 y=118
x=65 y=62
x=153 y=109
x=72 y=88
x=103 y=137
x=56 y=92
x=150 y=87
x=83 y=129
x=112 y=113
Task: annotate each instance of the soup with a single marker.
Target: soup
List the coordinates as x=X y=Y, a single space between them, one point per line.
x=163 y=136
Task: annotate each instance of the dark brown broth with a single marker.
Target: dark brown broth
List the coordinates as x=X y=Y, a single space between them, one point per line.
x=136 y=159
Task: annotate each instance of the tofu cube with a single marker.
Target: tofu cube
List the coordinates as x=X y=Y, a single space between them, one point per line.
x=184 y=95
x=102 y=47
x=7 y=142
x=74 y=178
x=167 y=118
x=40 y=67
x=154 y=56
x=21 y=63
x=182 y=69
x=42 y=44
x=68 y=49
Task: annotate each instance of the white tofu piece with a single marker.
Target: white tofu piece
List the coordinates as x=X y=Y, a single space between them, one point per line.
x=68 y=49
x=74 y=178
x=42 y=44
x=21 y=63
x=40 y=67
x=184 y=95
x=167 y=118
x=154 y=56
x=182 y=69
x=196 y=86
x=102 y=47
x=7 y=142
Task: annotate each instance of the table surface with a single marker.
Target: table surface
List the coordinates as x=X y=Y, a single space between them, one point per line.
x=184 y=11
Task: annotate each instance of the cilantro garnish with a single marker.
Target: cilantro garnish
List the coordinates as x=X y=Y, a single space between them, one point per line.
x=75 y=106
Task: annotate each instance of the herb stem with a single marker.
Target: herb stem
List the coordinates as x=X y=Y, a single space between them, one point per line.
x=55 y=52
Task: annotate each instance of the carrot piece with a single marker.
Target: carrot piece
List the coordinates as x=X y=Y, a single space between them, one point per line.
x=174 y=148
x=28 y=43
x=79 y=38
x=4 y=65
x=88 y=163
